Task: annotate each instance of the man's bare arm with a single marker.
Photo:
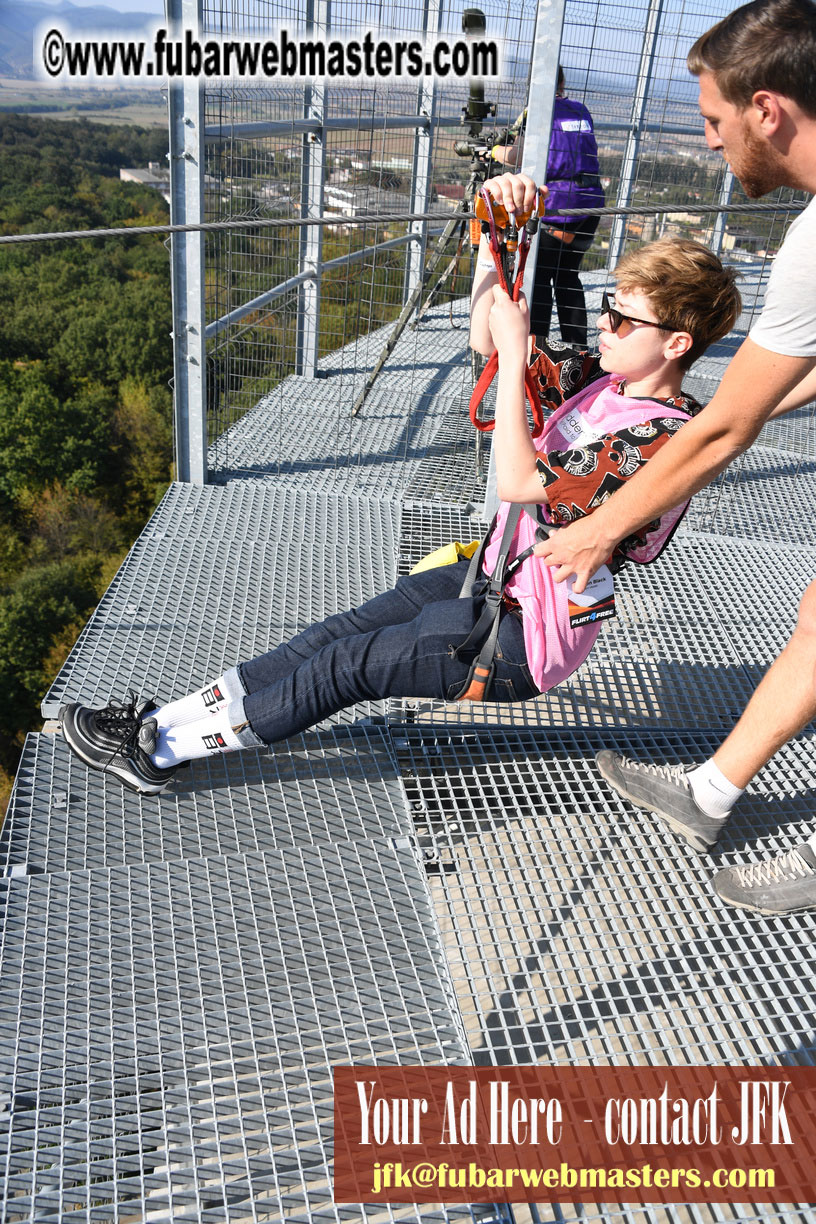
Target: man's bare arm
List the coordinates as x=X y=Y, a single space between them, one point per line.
x=754 y=384
x=803 y=393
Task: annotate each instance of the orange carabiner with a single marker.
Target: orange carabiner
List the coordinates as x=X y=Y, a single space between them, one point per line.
x=494 y=212
x=500 y=216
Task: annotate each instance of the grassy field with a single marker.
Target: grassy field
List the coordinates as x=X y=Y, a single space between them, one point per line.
x=144 y=107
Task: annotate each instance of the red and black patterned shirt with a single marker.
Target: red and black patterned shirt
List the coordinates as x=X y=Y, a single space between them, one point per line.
x=577 y=481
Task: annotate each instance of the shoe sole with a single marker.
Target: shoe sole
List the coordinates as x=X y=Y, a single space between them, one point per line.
x=125 y=777
x=695 y=840
x=769 y=913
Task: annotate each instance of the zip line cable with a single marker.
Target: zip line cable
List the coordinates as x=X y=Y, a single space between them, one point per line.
x=644 y=210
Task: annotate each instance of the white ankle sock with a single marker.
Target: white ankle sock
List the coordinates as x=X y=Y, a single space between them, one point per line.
x=191 y=740
x=712 y=790
x=212 y=698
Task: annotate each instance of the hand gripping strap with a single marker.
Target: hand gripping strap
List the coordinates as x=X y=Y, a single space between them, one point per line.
x=485 y=379
x=512 y=286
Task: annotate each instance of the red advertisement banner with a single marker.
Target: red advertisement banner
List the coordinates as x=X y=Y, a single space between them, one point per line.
x=574 y=1134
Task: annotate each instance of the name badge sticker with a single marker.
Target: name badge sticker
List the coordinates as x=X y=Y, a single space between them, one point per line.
x=596 y=602
x=575 y=429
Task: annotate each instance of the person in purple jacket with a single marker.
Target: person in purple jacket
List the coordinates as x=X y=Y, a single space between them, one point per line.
x=573 y=181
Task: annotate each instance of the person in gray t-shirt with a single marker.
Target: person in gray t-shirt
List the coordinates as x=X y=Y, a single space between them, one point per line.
x=757 y=72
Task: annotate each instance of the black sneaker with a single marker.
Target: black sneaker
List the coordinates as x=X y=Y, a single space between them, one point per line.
x=117 y=740
x=665 y=790
x=781 y=885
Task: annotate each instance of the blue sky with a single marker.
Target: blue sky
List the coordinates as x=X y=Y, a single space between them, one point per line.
x=154 y=7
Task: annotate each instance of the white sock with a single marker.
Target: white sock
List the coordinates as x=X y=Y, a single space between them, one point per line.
x=191 y=740
x=712 y=790
x=211 y=699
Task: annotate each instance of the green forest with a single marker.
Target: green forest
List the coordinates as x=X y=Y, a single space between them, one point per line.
x=85 y=405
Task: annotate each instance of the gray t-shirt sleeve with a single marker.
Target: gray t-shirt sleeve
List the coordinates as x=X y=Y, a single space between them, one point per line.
x=787 y=323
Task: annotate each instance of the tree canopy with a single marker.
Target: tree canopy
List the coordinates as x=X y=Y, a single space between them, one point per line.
x=85 y=408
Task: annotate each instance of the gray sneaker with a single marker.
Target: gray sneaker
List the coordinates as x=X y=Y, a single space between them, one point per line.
x=781 y=885
x=665 y=790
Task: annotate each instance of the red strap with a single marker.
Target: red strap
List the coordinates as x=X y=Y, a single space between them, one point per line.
x=477 y=395
x=489 y=372
x=485 y=379
x=477 y=686
x=522 y=260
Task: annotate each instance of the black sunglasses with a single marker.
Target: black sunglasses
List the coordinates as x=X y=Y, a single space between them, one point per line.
x=616 y=318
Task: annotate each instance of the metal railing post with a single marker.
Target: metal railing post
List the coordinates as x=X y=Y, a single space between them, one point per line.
x=312 y=180
x=540 y=106
x=726 y=191
x=547 y=38
x=186 y=123
x=632 y=150
x=422 y=160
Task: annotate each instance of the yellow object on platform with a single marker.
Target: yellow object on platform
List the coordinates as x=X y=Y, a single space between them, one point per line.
x=448 y=554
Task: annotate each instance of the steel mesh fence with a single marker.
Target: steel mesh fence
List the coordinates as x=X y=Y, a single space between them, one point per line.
x=372 y=155
x=321 y=300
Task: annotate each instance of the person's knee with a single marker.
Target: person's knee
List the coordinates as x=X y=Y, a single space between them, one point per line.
x=802 y=646
x=803 y=643
x=806 y=621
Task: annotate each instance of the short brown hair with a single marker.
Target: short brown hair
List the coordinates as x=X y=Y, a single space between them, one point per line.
x=687 y=286
x=768 y=44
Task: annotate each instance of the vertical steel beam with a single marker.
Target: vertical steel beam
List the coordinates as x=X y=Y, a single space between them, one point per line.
x=726 y=191
x=632 y=150
x=312 y=180
x=422 y=159
x=549 y=31
x=186 y=122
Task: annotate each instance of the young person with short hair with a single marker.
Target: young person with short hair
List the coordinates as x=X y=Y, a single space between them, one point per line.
x=611 y=413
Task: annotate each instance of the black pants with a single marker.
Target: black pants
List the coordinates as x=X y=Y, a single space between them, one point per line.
x=557 y=272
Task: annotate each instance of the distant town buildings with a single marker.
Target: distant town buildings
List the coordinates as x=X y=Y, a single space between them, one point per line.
x=358 y=201
x=361 y=185
x=156 y=176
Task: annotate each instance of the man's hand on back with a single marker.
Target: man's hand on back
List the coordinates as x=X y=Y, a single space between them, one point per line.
x=580 y=548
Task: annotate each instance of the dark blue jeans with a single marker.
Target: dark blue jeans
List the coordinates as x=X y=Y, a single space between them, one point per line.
x=396 y=645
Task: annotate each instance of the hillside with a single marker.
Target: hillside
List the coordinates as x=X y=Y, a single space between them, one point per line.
x=20 y=18
x=85 y=408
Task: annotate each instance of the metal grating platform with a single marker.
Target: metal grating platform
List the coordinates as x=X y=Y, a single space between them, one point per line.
x=580 y=930
x=412 y=434
x=765 y=495
x=181 y=973
x=170 y=1030
x=177 y=615
x=256 y=510
x=716 y=1213
x=332 y=786
x=426 y=526
x=796 y=431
